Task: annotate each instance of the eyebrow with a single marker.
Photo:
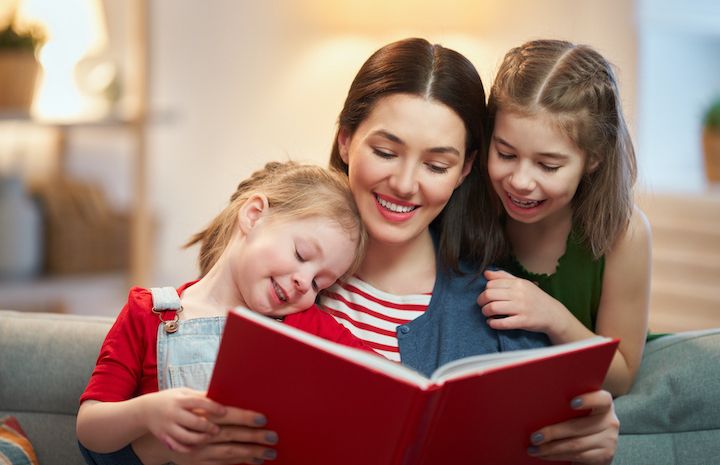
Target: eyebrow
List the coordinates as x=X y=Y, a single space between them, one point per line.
x=556 y=155
x=393 y=138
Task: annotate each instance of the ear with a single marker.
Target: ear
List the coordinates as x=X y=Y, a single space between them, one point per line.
x=343 y=139
x=467 y=167
x=592 y=165
x=254 y=208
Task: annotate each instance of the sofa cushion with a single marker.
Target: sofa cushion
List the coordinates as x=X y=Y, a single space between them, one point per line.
x=15 y=447
x=672 y=413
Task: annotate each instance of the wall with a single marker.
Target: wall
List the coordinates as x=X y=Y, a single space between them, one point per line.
x=238 y=83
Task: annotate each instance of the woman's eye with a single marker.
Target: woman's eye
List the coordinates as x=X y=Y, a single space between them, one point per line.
x=505 y=156
x=439 y=169
x=383 y=154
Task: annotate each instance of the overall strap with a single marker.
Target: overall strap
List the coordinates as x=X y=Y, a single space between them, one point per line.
x=166 y=301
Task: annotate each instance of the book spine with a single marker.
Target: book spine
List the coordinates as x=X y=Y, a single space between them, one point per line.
x=411 y=444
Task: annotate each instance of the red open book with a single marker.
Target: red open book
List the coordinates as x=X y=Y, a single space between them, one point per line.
x=335 y=405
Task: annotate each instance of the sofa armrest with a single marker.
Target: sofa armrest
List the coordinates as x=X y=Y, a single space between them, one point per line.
x=672 y=413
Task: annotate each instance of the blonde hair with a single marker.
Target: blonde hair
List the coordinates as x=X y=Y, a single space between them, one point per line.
x=577 y=86
x=294 y=191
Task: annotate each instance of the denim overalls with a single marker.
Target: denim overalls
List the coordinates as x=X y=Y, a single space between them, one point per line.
x=186 y=353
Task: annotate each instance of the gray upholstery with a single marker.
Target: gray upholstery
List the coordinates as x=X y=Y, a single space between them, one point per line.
x=672 y=413
x=45 y=362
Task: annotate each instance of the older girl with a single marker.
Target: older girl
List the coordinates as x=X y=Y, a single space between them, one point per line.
x=563 y=166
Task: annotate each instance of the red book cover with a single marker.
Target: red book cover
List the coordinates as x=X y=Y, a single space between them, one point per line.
x=333 y=405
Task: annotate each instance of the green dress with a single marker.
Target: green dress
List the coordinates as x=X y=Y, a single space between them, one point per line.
x=576 y=282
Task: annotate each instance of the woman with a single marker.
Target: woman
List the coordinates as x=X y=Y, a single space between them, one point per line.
x=409 y=136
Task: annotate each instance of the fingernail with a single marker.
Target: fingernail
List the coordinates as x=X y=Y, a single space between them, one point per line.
x=270 y=454
x=271 y=437
x=537 y=438
x=576 y=403
x=260 y=420
x=532 y=450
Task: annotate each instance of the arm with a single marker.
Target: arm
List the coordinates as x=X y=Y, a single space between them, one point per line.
x=622 y=312
x=589 y=440
x=178 y=417
x=624 y=304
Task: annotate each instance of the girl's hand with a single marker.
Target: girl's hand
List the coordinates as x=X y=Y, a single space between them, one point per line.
x=239 y=440
x=522 y=305
x=590 y=440
x=179 y=417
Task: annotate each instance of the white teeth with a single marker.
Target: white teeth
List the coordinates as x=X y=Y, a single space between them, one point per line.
x=394 y=207
x=524 y=203
x=281 y=295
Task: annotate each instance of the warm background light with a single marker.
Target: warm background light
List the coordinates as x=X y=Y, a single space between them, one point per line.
x=76 y=30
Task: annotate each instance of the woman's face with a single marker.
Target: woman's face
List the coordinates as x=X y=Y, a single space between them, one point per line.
x=404 y=161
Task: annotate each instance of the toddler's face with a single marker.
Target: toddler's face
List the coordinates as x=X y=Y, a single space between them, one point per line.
x=281 y=265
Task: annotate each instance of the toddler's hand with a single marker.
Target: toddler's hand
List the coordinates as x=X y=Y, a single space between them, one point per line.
x=179 y=417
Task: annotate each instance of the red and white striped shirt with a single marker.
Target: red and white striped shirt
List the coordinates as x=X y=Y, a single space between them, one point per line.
x=371 y=314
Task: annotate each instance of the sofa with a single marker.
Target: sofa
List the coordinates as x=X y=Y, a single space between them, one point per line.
x=671 y=416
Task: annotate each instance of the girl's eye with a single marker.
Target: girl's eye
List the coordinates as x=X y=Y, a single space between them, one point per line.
x=505 y=156
x=383 y=154
x=549 y=168
x=300 y=258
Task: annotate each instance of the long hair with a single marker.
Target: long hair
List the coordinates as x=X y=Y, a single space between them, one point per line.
x=294 y=191
x=416 y=67
x=577 y=87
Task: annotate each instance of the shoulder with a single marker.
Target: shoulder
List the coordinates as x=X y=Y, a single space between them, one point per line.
x=637 y=235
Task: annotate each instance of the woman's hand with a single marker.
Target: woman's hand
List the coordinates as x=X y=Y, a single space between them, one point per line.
x=522 y=305
x=590 y=440
x=240 y=439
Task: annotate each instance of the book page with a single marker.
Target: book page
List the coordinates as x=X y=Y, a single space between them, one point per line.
x=480 y=363
x=374 y=362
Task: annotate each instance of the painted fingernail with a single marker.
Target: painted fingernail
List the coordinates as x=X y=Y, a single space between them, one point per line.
x=532 y=450
x=576 y=402
x=271 y=437
x=270 y=454
x=260 y=420
x=537 y=438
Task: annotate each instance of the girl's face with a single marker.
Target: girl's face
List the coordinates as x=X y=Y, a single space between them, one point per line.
x=280 y=265
x=534 y=167
x=404 y=161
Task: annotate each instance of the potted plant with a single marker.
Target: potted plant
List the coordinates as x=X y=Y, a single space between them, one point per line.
x=711 y=141
x=19 y=67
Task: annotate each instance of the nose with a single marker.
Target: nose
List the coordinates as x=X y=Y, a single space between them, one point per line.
x=521 y=178
x=404 y=180
x=301 y=282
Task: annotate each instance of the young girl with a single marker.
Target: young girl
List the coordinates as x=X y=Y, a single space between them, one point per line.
x=289 y=232
x=562 y=165
x=410 y=137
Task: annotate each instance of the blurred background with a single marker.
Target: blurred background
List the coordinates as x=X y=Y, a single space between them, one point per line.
x=143 y=116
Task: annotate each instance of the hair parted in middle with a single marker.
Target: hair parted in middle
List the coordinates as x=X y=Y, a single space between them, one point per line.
x=416 y=67
x=576 y=86
x=294 y=191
